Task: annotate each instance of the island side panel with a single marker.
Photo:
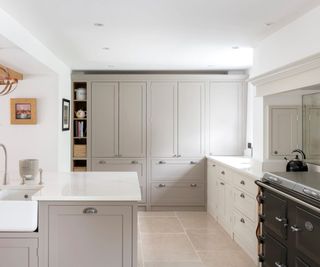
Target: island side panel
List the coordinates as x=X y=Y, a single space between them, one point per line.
x=108 y=219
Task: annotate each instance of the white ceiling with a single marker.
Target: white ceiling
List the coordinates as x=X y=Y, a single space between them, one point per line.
x=13 y=57
x=154 y=34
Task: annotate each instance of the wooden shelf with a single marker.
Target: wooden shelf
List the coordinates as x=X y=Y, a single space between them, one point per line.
x=79 y=100
x=78 y=119
x=79 y=137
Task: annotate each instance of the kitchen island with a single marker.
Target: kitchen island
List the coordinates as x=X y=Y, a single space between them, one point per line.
x=84 y=219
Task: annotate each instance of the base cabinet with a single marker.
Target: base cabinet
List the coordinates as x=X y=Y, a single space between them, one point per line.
x=90 y=235
x=177 y=182
x=19 y=252
x=231 y=201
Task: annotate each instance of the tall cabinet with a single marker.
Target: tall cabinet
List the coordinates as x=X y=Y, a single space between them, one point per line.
x=118 y=133
x=162 y=127
x=176 y=165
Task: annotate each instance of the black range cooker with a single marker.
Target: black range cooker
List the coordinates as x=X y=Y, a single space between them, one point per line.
x=289 y=219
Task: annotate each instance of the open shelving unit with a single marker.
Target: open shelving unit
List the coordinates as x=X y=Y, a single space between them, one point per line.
x=79 y=130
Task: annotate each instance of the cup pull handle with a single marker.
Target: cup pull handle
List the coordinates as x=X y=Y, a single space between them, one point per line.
x=90 y=211
x=161 y=185
x=193 y=185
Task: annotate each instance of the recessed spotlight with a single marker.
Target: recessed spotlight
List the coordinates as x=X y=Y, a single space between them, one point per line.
x=98 y=24
x=105 y=48
x=235 y=47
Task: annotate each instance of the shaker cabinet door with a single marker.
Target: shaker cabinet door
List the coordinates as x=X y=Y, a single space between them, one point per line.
x=104 y=119
x=163 y=119
x=226 y=118
x=191 y=119
x=82 y=236
x=284 y=130
x=132 y=119
x=18 y=252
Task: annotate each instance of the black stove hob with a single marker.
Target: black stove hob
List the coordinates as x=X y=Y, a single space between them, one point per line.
x=306 y=183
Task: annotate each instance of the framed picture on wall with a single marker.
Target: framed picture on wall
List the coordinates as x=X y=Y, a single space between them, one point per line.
x=23 y=110
x=65 y=114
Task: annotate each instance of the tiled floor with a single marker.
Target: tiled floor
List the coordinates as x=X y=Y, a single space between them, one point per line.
x=186 y=239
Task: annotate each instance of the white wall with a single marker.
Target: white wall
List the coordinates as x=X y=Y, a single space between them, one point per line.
x=22 y=38
x=298 y=40
x=32 y=141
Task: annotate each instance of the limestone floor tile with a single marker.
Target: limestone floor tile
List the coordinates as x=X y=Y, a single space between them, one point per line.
x=226 y=258
x=211 y=240
x=168 y=248
x=156 y=214
x=196 y=220
x=174 y=264
x=152 y=225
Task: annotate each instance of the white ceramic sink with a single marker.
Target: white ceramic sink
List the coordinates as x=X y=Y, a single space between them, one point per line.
x=18 y=213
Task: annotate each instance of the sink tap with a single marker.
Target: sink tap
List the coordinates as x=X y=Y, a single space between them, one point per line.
x=5 y=164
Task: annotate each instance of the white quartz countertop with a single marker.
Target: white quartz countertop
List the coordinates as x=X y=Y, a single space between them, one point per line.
x=243 y=165
x=84 y=186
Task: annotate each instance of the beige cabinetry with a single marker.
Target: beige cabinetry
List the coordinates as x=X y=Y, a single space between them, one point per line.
x=88 y=234
x=118 y=119
x=226 y=118
x=19 y=252
x=178 y=182
x=124 y=165
x=177 y=119
x=231 y=201
x=284 y=130
x=163 y=119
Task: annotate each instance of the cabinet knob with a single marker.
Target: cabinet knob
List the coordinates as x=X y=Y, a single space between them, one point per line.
x=102 y=162
x=162 y=162
x=134 y=162
x=90 y=211
x=193 y=185
x=178 y=156
x=221 y=183
x=223 y=173
x=242 y=195
x=161 y=185
x=275 y=152
x=242 y=182
x=193 y=162
x=213 y=165
x=242 y=220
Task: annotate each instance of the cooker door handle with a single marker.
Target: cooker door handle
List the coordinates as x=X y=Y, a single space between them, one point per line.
x=279 y=219
x=295 y=229
x=278 y=264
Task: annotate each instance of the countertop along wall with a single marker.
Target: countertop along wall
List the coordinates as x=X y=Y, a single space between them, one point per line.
x=38 y=141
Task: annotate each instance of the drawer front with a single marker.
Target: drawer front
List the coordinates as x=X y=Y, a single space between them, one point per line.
x=245 y=183
x=178 y=170
x=124 y=165
x=244 y=227
x=224 y=173
x=182 y=194
x=245 y=204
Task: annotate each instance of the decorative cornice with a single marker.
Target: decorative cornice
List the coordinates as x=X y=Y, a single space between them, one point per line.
x=289 y=70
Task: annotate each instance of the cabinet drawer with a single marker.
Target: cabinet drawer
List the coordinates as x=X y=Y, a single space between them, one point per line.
x=245 y=183
x=244 y=227
x=224 y=174
x=245 y=204
x=177 y=170
x=182 y=194
x=123 y=165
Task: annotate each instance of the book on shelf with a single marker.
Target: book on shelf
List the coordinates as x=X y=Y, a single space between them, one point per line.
x=80 y=129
